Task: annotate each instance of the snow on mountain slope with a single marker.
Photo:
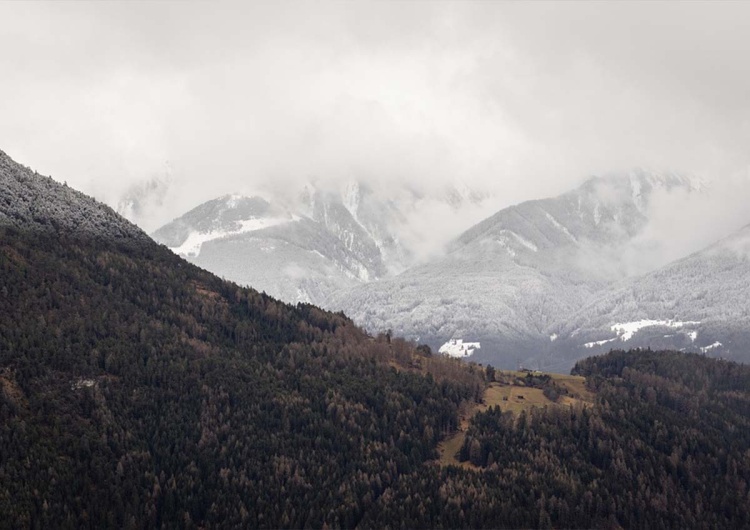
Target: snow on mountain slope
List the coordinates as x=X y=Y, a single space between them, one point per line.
x=228 y=215
x=341 y=221
x=32 y=200
x=303 y=248
x=298 y=261
x=510 y=279
x=458 y=348
x=291 y=256
x=193 y=244
x=699 y=303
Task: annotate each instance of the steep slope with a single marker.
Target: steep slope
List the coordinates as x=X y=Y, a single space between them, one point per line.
x=511 y=278
x=296 y=257
x=137 y=390
x=699 y=303
x=37 y=203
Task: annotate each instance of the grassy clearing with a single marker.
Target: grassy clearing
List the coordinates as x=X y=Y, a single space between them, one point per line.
x=510 y=393
x=449 y=449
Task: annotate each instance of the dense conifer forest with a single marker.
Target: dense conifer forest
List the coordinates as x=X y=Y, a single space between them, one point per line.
x=139 y=391
x=665 y=445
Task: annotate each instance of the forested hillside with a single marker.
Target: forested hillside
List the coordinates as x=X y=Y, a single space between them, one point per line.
x=137 y=390
x=666 y=445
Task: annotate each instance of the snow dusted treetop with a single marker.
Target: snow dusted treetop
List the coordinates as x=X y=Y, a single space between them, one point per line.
x=29 y=200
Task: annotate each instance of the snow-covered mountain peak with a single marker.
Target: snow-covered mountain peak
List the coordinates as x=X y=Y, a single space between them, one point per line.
x=225 y=216
x=609 y=209
x=233 y=199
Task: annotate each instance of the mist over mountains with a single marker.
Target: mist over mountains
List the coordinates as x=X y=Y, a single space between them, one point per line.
x=137 y=390
x=304 y=247
x=512 y=281
x=699 y=303
x=454 y=264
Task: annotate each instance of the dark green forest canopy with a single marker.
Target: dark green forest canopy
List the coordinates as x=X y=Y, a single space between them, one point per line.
x=666 y=445
x=139 y=391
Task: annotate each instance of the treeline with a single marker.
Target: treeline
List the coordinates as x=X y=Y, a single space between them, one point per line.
x=137 y=390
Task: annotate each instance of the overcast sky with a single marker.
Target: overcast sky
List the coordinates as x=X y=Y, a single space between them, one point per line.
x=525 y=99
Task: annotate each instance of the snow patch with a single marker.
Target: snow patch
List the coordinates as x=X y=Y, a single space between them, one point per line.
x=559 y=226
x=504 y=243
x=525 y=242
x=362 y=274
x=598 y=343
x=351 y=199
x=458 y=348
x=710 y=347
x=81 y=383
x=626 y=330
x=302 y=296
x=232 y=200
x=191 y=247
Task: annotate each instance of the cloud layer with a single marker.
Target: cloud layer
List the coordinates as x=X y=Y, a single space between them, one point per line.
x=523 y=99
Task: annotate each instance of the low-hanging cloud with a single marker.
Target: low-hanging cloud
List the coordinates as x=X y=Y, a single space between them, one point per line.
x=523 y=99
x=682 y=222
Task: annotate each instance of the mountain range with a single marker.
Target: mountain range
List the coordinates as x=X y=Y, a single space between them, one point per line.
x=698 y=303
x=139 y=391
x=539 y=284
x=509 y=280
x=306 y=247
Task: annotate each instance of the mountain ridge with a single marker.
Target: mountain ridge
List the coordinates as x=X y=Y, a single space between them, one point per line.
x=510 y=279
x=353 y=236
x=137 y=389
x=31 y=201
x=707 y=291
